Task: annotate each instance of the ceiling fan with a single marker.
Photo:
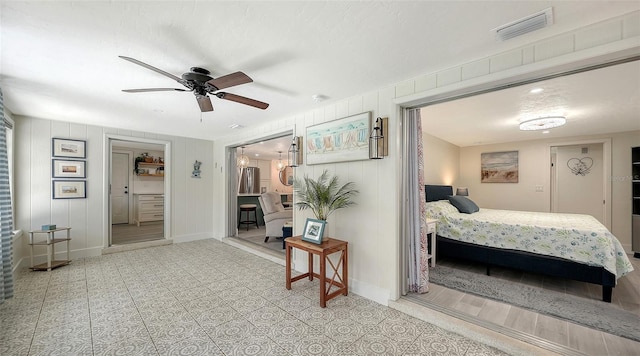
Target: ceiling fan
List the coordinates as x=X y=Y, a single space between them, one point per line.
x=198 y=81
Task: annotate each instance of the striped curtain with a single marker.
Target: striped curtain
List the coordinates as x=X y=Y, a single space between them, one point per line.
x=416 y=209
x=6 y=220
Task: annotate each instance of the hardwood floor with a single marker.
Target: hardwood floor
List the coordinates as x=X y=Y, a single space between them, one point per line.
x=587 y=341
x=130 y=233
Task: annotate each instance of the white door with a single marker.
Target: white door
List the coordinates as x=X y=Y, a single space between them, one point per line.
x=579 y=182
x=120 y=188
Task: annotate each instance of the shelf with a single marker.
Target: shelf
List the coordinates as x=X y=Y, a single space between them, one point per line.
x=54 y=264
x=52 y=241
x=144 y=164
x=150 y=175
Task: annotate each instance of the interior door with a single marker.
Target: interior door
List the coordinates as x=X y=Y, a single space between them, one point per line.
x=579 y=183
x=120 y=188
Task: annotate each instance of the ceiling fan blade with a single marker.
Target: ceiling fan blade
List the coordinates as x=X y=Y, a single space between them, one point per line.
x=230 y=80
x=151 y=89
x=204 y=102
x=166 y=74
x=242 y=100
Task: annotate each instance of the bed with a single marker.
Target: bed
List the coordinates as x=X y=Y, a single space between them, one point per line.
x=571 y=246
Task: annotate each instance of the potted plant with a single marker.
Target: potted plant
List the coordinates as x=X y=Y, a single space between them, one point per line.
x=324 y=195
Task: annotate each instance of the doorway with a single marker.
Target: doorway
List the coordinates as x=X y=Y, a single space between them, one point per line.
x=137 y=211
x=265 y=159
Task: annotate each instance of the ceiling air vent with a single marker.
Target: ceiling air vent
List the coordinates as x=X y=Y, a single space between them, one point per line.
x=525 y=25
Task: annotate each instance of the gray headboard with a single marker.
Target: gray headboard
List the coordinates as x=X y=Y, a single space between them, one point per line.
x=438 y=192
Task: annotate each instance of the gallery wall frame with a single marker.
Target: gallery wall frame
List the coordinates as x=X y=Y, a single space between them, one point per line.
x=68 y=168
x=342 y=140
x=69 y=189
x=499 y=167
x=67 y=148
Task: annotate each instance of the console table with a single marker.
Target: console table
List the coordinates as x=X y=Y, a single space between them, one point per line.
x=323 y=250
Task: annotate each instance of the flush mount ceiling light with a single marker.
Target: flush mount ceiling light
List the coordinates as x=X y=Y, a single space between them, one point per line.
x=543 y=123
x=524 y=25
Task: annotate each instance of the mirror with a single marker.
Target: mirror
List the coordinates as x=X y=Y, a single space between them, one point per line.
x=286 y=176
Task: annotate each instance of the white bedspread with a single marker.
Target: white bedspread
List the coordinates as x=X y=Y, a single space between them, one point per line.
x=581 y=238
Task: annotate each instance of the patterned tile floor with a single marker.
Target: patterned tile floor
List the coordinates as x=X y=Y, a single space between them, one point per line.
x=202 y=298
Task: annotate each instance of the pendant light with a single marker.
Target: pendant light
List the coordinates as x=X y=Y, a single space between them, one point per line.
x=243 y=160
x=280 y=165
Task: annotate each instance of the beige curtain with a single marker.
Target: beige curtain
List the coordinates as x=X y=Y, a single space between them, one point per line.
x=416 y=205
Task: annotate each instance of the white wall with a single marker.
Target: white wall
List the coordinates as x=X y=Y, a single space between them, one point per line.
x=192 y=199
x=441 y=161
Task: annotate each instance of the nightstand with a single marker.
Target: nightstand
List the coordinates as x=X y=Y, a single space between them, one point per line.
x=431 y=249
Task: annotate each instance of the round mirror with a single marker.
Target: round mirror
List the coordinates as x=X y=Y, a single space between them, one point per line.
x=286 y=176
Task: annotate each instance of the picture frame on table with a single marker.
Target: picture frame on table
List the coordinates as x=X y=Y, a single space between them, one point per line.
x=62 y=147
x=69 y=189
x=313 y=231
x=68 y=169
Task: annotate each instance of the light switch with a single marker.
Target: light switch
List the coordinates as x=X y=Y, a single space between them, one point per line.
x=539 y=188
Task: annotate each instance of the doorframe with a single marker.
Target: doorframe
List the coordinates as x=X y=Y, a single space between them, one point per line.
x=231 y=181
x=606 y=174
x=108 y=140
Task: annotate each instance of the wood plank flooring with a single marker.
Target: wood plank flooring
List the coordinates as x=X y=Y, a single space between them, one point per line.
x=626 y=295
x=131 y=233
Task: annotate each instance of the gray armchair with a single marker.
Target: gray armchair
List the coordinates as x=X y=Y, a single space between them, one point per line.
x=275 y=214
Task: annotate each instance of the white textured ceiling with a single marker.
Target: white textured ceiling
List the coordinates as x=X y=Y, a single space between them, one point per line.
x=600 y=101
x=59 y=59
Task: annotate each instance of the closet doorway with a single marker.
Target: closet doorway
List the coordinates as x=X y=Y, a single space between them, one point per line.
x=137 y=188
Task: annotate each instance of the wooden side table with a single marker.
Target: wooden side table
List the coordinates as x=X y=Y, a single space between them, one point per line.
x=328 y=247
x=50 y=242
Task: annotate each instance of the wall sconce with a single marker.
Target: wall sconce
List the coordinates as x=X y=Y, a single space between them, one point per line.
x=294 y=155
x=462 y=192
x=378 y=142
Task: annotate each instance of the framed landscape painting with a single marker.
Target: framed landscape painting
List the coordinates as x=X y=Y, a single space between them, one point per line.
x=67 y=189
x=499 y=167
x=68 y=169
x=68 y=148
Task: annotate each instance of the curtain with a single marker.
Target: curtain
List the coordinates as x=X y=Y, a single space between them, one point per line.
x=6 y=220
x=416 y=209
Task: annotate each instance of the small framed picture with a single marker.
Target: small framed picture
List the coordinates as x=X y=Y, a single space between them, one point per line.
x=68 y=169
x=313 y=231
x=62 y=147
x=69 y=189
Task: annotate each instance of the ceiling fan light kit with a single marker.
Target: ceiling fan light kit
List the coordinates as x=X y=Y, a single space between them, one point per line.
x=199 y=81
x=543 y=123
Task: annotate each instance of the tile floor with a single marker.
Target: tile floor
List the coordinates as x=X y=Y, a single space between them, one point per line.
x=202 y=298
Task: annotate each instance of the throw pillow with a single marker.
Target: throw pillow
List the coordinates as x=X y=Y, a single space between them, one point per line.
x=464 y=204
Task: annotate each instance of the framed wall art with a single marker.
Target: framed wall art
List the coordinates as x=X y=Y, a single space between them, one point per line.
x=345 y=139
x=62 y=147
x=69 y=189
x=313 y=231
x=68 y=169
x=499 y=167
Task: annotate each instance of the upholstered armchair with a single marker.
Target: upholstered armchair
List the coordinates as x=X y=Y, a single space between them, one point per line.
x=275 y=214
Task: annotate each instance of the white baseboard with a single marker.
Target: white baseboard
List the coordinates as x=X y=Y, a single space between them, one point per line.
x=377 y=294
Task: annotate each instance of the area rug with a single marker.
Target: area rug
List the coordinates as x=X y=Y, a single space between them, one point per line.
x=590 y=313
